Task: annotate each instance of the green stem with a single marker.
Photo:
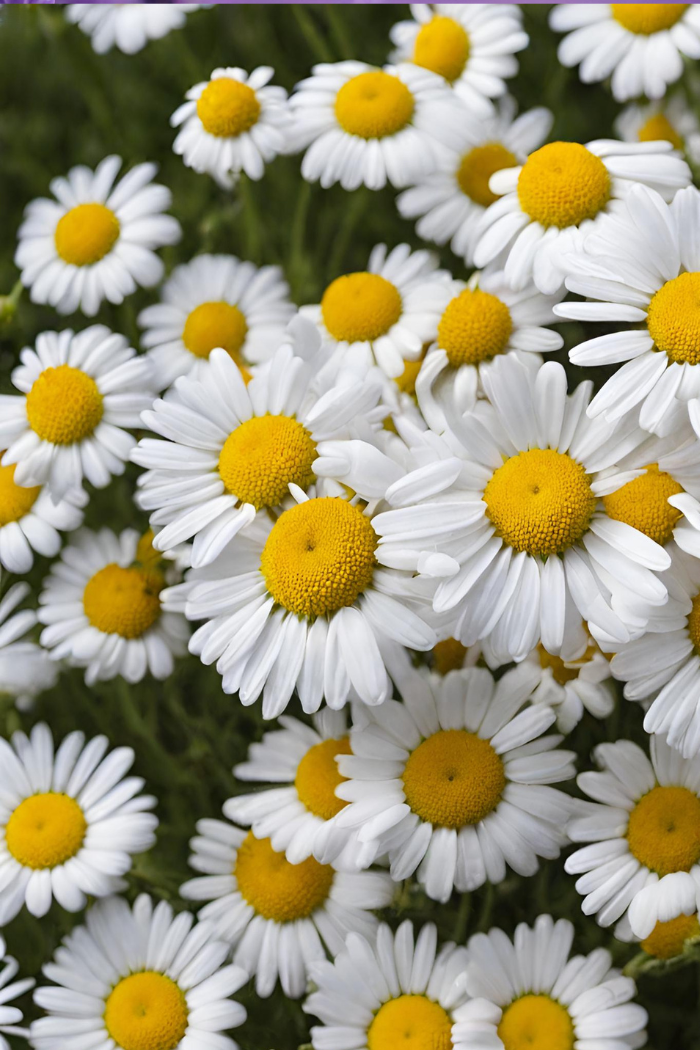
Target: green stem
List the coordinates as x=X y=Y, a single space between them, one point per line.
x=313 y=37
x=251 y=223
x=460 y=928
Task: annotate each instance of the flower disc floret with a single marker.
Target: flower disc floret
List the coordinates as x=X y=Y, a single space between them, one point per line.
x=673 y=318
x=442 y=46
x=694 y=623
x=215 y=324
x=373 y=105
x=536 y=1022
x=318 y=776
x=475 y=327
x=360 y=306
x=659 y=128
x=562 y=184
x=448 y=655
x=476 y=168
x=146 y=1011
x=263 y=456
x=228 y=107
x=15 y=500
x=45 y=830
x=64 y=405
x=643 y=504
x=663 y=832
x=410 y=1022
x=123 y=601
x=646 y=19
x=276 y=889
x=86 y=233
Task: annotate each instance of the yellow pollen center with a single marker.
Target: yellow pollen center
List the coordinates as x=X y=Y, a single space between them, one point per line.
x=564 y=671
x=643 y=504
x=562 y=184
x=360 y=306
x=664 y=830
x=667 y=939
x=540 y=501
x=411 y=1022
x=374 y=105
x=476 y=168
x=659 y=128
x=15 y=501
x=475 y=327
x=319 y=556
x=277 y=889
x=227 y=107
x=647 y=18
x=45 y=830
x=673 y=318
x=64 y=405
x=318 y=777
x=406 y=382
x=442 y=45
x=263 y=456
x=86 y=233
x=448 y=655
x=146 y=554
x=215 y=324
x=536 y=1022
x=694 y=623
x=146 y=1011
x=123 y=601
x=453 y=778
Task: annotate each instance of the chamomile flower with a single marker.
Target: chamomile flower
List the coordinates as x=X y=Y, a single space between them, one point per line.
x=234 y=122
x=645 y=846
x=672 y=120
x=25 y=668
x=668 y=939
x=11 y=1016
x=78 y=393
x=69 y=823
x=640 y=46
x=97 y=239
x=215 y=301
x=127 y=27
x=139 y=977
x=374 y=990
x=581 y=682
x=31 y=521
x=102 y=609
x=451 y=783
x=557 y=198
x=278 y=916
x=528 y=992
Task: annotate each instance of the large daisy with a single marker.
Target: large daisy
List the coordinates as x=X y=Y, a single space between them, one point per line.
x=30 y=521
x=11 y=1016
x=127 y=27
x=672 y=120
x=25 y=668
x=97 y=239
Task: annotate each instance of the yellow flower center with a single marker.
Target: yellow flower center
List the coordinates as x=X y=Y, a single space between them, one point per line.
x=536 y=1022
x=643 y=504
x=45 y=830
x=658 y=127
x=562 y=184
x=411 y=1022
x=319 y=556
x=123 y=601
x=442 y=45
x=453 y=778
x=146 y=1011
x=86 y=233
x=448 y=655
x=360 y=306
x=15 y=501
x=694 y=623
x=647 y=18
x=277 y=889
x=667 y=939
x=406 y=382
x=673 y=318
x=476 y=168
x=263 y=456
x=318 y=777
x=146 y=554
x=215 y=324
x=64 y=405
x=664 y=830
x=227 y=107
x=475 y=327
x=374 y=105
x=563 y=672
x=540 y=501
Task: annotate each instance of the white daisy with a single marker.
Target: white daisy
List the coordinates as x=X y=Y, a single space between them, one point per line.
x=25 y=668
x=528 y=992
x=549 y=204
x=668 y=939
x=278 y=916
x=581 y=682
x=645 y=836
x=672 y=120
x=78 y=393
x=102 y=608
x=640 y=46
x=96 y=240
x=128 y=27
x=215 y=300
x=69 y=822
x=31 y=521
x=137 y=977
x=11 y=1016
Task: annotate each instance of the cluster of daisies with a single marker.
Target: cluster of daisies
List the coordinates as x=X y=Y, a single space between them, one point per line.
x=390 y=511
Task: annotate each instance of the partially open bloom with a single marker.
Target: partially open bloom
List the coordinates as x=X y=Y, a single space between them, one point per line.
x=31 y=521
x=674 y=120
x=10 y=1016
x=25 y=668
x=582 y=682
x=668 y=939
x=127 y=27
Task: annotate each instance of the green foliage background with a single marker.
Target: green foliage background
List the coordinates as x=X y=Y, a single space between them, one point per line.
x=61 y=105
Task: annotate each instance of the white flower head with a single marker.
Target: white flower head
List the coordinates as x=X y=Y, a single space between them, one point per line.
x=31 y=521
x=581 y=682
x=672 y=120
x=127 y=27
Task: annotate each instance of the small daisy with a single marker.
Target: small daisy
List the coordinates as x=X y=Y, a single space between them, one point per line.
x=278 y=916
x=11 y=1016
x=559 y=196
x=668 y=939
x=371 y=992
x=96 y=240
x=528 y=992
x=215 y=300
x=672 y=120
x=79 y=392
x=31 y=521
x=25 y=668
x=472 y=46
x=102 y=607
x=128 y=27
x=581 y=682
x=645 y=836
x=640 y=46
x=69 y=822
x=233 y=122
x=138 y=977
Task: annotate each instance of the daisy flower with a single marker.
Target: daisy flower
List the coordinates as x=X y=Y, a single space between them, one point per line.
x=406 y=985
x=645 y=843
x=11 y=1016
x=102 y=609
x=672 y=120
x=581 y=682
x=668 y=939
x=528 y=992
x=233 y=122
x=472 y=46
x=78 y=393
x=96 y=240
x=69 y=823
x=278 y=916
x=31 y=521
x=25 y=668
x=557 y=198
x=137 y=977
x=215 y=300
x=128 y=27
x=640 y=46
